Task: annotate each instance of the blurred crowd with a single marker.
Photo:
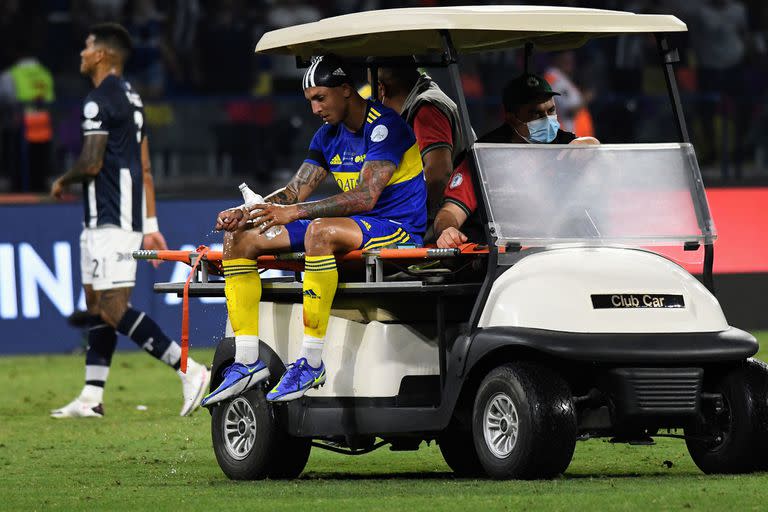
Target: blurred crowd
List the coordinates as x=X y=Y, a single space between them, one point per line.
x=188 y=50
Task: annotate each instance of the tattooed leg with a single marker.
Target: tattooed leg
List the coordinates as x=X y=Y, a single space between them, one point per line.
x=251 y=244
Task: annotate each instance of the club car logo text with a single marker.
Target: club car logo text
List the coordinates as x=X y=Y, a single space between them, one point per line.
x=637 y=300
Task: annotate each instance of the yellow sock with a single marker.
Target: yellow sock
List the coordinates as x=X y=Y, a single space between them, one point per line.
x=242 y=286
x=320 y=281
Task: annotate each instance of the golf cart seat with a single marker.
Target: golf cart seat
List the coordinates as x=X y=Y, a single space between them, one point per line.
x=362 y=273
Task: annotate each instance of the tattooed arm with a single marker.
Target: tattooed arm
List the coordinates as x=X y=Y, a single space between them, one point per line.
x=88 y=164
x=374 y=176
x=303 y=183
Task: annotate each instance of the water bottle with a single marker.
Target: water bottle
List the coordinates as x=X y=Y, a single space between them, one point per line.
x=250 y=198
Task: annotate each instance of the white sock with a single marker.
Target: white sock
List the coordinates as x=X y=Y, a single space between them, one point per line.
x=172 y=354
x=246 y=349
x=312 y=350
x=96 y=374
x=93 y=394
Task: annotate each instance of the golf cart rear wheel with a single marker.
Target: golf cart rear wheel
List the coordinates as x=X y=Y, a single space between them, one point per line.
x=248 y=443
x=459 y=452
x=732 y=438
x=524 y=423
x=290 y=460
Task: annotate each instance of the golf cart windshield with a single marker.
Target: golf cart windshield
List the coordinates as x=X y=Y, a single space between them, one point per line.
x=638 y=194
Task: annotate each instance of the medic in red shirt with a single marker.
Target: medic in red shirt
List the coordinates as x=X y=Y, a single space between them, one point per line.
x=434 y=118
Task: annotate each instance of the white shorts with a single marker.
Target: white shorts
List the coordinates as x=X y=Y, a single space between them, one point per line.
x=106 y=259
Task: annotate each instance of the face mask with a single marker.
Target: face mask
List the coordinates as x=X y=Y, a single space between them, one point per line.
x=543 y=130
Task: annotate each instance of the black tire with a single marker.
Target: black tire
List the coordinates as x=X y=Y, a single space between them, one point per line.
x=740 y=428
x=458 y=449
x=248 y=443
x=292 y=457
x=546 y=433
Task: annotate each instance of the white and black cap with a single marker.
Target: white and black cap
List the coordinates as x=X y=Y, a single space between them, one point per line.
x=326 y=71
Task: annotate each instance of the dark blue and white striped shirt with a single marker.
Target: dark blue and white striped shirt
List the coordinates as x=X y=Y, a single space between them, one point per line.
x=116 y=195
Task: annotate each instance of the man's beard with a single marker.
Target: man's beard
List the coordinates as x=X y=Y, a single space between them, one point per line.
x=85 y=70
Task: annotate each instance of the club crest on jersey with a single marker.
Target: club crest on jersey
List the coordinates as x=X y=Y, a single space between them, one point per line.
x=456 y=181
x=91 y=110
x=379 y=133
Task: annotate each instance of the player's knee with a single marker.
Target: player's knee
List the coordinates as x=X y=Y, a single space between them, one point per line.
x=112 y=306
x=109 y=317
x=320 y=235
x=243 y=244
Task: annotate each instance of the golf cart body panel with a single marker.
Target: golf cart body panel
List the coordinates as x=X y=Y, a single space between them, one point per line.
x=416 y=31
x=421 y=404
x=601 y=290
x=363 y=359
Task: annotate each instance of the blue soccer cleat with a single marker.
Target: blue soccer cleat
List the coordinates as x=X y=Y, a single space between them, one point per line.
x=238 y=378
x=298 y=378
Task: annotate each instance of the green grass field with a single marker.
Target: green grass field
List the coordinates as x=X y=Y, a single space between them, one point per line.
x=153 y=459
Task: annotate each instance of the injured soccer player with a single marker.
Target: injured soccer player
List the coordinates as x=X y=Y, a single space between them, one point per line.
x=372 y=155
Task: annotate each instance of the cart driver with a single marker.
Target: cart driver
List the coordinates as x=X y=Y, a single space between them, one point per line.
x=374 y=159
x=432 y=115
x=529 y=117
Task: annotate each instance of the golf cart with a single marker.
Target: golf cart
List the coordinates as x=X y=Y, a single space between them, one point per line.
x=577 y=325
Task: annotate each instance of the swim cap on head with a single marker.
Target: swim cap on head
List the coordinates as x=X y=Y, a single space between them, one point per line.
x=326 y=71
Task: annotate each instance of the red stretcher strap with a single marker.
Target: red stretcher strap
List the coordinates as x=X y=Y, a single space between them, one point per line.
x=202 y=251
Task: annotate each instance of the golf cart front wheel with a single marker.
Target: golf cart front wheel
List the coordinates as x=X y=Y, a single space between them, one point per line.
x=459 y=452
x=731 y=436
x=524 y=423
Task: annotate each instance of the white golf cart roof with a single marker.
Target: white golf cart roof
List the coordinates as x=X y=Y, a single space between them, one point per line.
x=415 y=31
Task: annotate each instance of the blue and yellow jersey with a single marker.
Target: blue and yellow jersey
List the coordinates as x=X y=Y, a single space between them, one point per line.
x=384 y=136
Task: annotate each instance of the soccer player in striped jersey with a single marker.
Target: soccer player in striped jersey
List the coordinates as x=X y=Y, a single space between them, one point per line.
x=373 y=156
x=119 y=198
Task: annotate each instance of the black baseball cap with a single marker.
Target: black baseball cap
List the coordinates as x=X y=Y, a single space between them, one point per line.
x=526 y=88
x=326 y=71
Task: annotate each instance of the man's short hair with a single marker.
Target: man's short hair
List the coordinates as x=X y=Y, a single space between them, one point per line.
x=399 y=75
x=113 y=36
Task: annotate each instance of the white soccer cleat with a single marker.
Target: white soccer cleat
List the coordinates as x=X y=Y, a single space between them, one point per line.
x=194 y=385
x=79 y=408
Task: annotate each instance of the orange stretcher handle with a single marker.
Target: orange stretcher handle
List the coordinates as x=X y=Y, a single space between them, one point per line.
x=275 y=261
x=165 y=255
